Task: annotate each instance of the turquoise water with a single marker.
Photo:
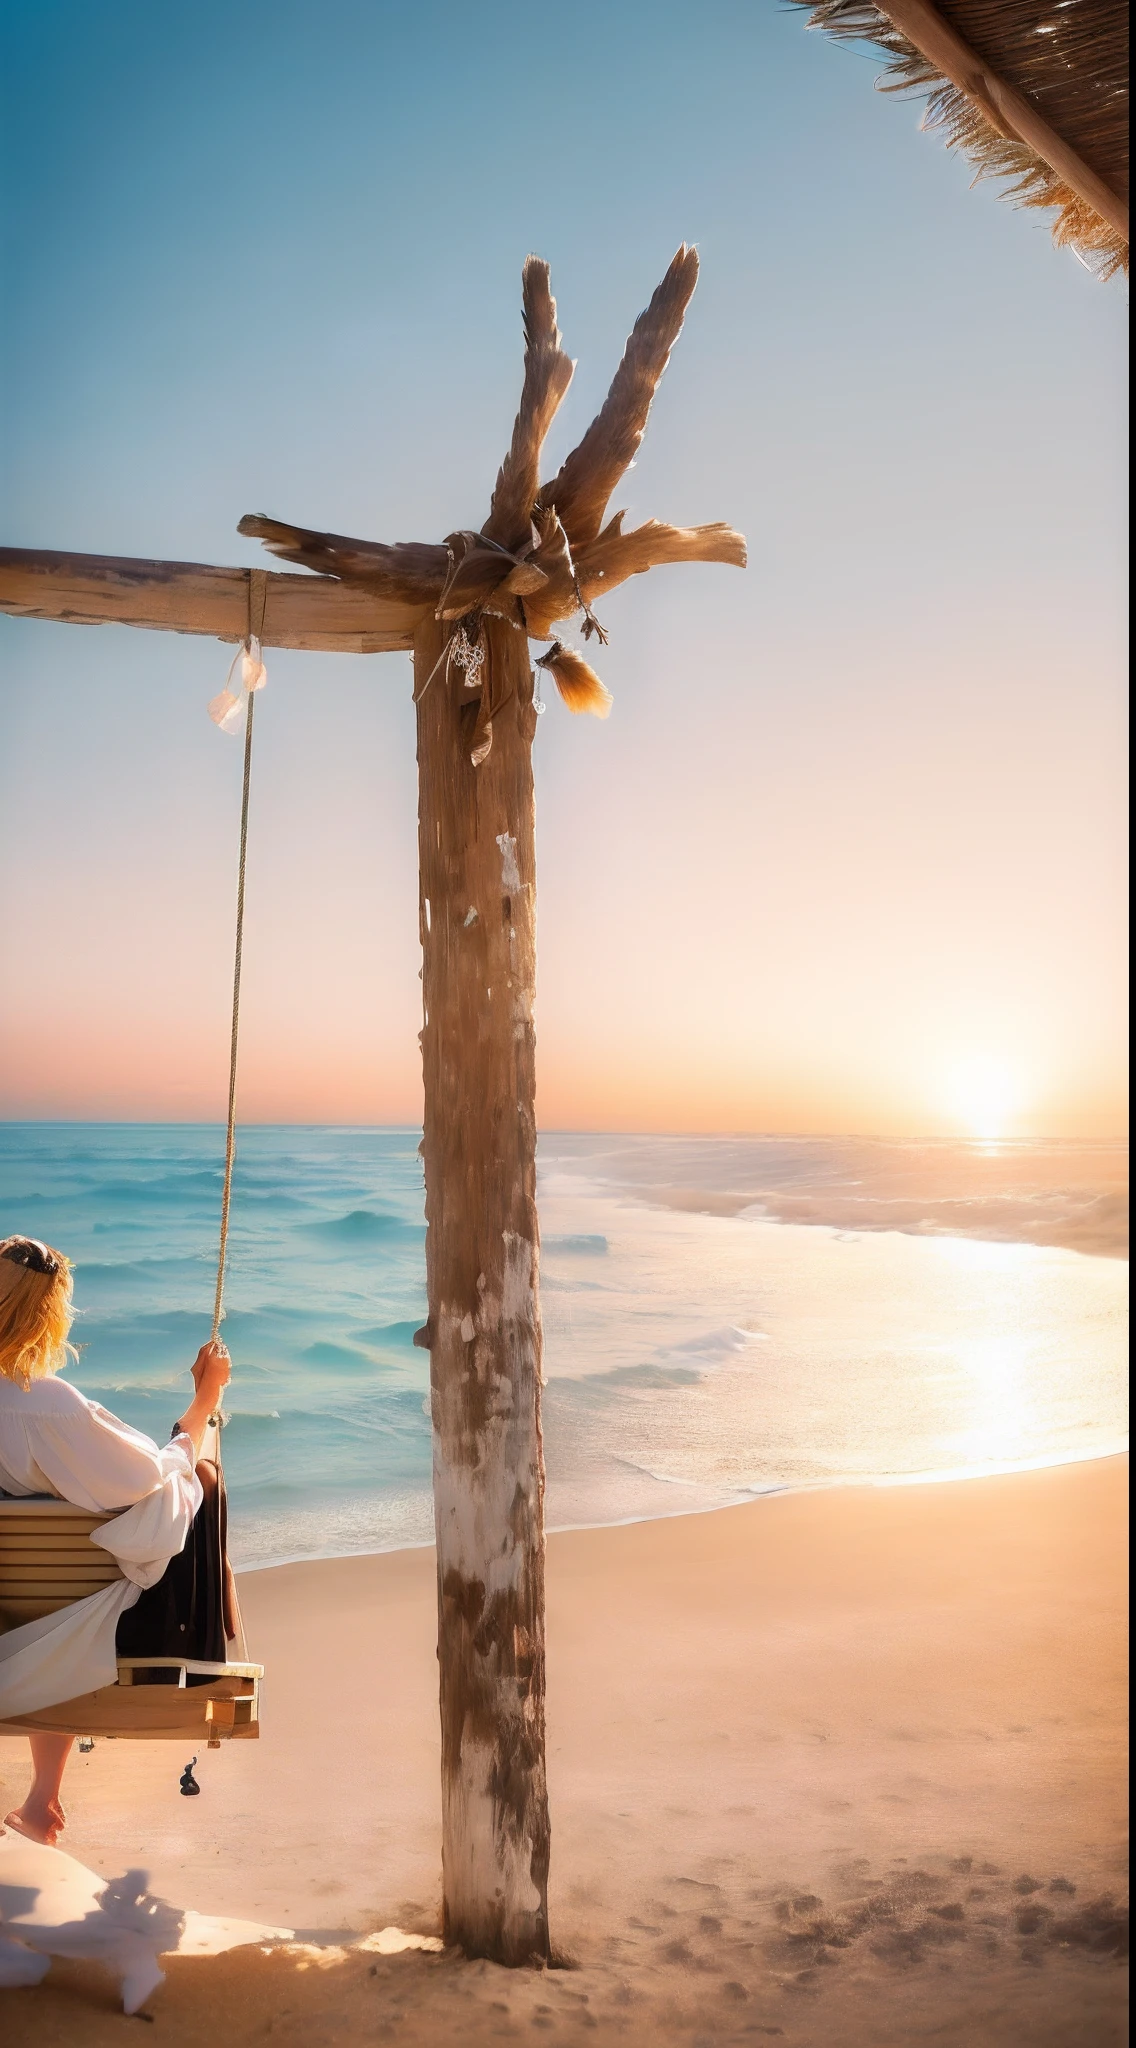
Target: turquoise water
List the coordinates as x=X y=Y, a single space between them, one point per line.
x=722 y=1316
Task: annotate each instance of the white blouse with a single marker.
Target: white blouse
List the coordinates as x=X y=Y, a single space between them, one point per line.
x=54 y=1441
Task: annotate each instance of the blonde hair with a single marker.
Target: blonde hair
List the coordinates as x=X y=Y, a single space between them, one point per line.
x=36 y=1312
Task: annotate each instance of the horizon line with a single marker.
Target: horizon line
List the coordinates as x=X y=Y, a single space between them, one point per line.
x=566 y=1131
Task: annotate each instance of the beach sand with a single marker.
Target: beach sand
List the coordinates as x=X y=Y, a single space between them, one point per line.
x=832 y=1768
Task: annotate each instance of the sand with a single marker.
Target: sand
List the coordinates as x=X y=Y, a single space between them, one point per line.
x=832 y=1768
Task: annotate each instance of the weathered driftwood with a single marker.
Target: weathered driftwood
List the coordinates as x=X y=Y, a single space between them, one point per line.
x=409 y=573
x=617 y=555
x=478 y=924
x=468 y=608
x=541 y=557
x=548 y=373
x=583 y=486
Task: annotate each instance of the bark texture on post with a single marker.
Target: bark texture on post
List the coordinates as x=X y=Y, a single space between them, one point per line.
x=478 y=920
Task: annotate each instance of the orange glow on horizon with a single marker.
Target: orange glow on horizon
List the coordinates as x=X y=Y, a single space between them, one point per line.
x=113 y=1077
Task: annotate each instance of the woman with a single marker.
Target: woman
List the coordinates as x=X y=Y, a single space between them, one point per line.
x=169 y=1543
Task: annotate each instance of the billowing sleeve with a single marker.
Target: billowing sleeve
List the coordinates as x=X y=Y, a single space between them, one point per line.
x=95 y=1461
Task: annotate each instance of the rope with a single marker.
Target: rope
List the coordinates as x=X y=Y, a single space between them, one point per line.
x=258 y=586
x=230 y=1133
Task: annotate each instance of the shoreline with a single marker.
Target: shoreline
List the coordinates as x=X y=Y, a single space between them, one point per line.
x=877 y=1481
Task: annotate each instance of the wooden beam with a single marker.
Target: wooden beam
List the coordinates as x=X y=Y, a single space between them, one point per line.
x=1007 y=110
x=190 y=597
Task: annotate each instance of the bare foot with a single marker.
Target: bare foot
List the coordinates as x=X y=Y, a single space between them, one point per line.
x=44 y=1825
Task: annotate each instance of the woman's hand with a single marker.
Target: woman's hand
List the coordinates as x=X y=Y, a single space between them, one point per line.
x=212 y=1371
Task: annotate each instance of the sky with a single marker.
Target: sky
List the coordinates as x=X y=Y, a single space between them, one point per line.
x=849 y=853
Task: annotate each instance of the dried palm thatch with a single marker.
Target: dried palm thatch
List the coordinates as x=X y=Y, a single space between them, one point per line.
x=1036 y=93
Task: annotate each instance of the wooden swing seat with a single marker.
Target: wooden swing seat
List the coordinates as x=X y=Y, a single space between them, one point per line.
x=47 y=1561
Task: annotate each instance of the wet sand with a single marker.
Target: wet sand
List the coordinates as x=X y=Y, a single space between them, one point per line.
x=834 y=1767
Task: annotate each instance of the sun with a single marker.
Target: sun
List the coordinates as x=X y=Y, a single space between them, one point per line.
x=984 y=1091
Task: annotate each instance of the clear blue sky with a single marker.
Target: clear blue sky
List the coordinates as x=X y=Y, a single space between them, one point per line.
x=856 y=821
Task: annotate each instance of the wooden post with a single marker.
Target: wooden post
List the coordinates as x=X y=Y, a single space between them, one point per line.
x=478 y=921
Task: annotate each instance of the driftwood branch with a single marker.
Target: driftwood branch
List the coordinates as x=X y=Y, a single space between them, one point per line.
x=191 y=597
x=548 y=373
x=412 y=572
x=587 y=479
x=616 y=555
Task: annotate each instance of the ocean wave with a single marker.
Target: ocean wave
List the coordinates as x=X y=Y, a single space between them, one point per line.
x=685 y=1363
x=721 y=1343
x=100 y=1271
x=392 y=1333
x=579 y=1243
x=380 y=1408
x=324 y=1352
x=1092 y=1223
x=362 y=1226
x=106 y=1391
x=308 y=1455
x=169 y=1187
x=660 y=1478
x=181 y=1326
x=648 y=1377
x=398 y=1518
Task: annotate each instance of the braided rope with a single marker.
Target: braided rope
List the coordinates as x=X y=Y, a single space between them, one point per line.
x=230 y=1134
x=258 y=582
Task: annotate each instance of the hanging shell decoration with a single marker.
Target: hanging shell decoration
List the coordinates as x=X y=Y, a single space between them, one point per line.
x=227 y=708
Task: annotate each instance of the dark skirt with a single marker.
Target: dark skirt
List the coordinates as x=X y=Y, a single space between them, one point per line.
x=190 y=1612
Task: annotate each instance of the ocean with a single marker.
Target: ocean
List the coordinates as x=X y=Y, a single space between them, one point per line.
x=724 y=1317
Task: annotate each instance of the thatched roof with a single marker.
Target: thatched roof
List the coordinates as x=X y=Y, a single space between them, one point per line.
x=1031 y=92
